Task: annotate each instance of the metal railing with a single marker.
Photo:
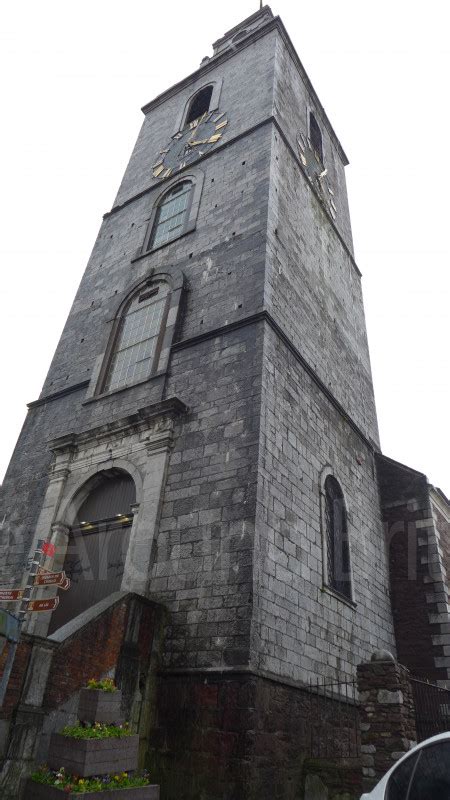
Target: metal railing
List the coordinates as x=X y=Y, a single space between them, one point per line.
x=431 y=708
x=334 y=719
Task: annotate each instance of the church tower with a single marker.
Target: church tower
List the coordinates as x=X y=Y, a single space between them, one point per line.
x=206 y=434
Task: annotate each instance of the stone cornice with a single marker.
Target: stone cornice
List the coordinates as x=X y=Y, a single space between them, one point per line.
x=76 y=387
x=155 y=416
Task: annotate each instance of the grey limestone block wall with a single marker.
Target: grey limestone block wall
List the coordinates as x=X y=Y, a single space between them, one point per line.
x=257 y=425
x=300 y=627
x=293 y=99
x=223 y=264
x=313 y=290
x=202 y=569
x=221 y=258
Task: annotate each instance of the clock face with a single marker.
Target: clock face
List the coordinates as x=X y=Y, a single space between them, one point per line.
x=197 y=139
x=316 y=173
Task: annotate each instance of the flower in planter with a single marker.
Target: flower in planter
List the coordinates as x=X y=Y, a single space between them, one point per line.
x=72 y=783
x=104 y=684
x=97 y=731
x=60 y=776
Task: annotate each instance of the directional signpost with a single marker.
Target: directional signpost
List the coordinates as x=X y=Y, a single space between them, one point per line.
x=10 y=595
x=43 y=605
x=45 y=578
x=11 y=624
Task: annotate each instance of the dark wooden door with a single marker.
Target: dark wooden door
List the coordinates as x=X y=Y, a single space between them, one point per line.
x=97 y=548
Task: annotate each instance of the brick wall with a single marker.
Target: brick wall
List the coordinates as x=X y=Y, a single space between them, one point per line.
x=90 y=653
x=417 y=547
x=440 y=508
x=17 y=676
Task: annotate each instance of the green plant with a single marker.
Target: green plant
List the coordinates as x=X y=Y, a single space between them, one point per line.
x=72 y=783
x=104 y=684
x=96 y=731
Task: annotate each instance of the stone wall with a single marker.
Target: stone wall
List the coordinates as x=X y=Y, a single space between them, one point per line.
x=262 y=247
x=313 y=289
x=388 y=727
x=240 y=735
x=302 y=628
x=294 y=98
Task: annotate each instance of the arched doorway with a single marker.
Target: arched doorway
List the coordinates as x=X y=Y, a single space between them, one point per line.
x=97 y=546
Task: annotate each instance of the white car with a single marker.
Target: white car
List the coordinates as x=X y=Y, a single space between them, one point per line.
x=421 y=774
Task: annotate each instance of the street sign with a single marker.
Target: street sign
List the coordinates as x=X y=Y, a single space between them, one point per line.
x=45 y=578
x=10 y=595
x=43 y=605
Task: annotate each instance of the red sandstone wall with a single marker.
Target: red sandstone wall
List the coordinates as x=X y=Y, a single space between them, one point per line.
x=409 y=588
x=16 y=680
x=90 y=653
x=443 y=528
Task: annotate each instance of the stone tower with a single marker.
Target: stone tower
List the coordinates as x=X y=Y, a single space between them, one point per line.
x=212 y=391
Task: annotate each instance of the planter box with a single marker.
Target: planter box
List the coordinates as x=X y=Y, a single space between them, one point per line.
x=97 y=706
x=86 y=757
x=38 y=791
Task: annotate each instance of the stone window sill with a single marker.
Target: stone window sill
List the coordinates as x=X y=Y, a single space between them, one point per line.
x=104 y=395
x=338 y=596
x=188 y=229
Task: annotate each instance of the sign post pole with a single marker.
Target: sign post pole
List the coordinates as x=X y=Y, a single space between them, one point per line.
x=43 y=549
x=7 y=671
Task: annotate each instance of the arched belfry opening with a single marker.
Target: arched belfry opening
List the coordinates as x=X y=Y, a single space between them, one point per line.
x=97 y=546
x=316 y=136
x=199 y=104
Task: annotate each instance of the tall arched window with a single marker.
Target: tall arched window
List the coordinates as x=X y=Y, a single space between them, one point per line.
x=137 y=339
x=199 y=104
x=97 y=546
x=171 y=215
x=337 y=547
x=315 y=136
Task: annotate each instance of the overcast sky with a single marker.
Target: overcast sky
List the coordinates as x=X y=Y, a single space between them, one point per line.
x=74 y=76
